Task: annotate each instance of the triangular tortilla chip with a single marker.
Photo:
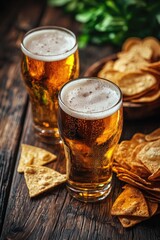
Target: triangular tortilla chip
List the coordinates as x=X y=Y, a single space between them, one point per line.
x=130 y=221
x=31 y=155
x=40 y=179
x=130 y=202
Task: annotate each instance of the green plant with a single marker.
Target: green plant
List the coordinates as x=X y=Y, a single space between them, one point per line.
x=113 y=20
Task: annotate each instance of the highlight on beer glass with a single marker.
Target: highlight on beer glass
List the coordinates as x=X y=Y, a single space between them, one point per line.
x=50 y=59
x=90 y=120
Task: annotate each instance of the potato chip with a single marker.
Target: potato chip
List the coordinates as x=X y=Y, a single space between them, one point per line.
x=149 y=155
x=155 y=65
x=149 y=97
x=137 y=163
x=121 y=171
x=136 y=71
x=31 y=155
x=126 y=151
x=138 y=137
x=152 y=196
x=155 y=135
x=152 y=43
x=130 y=202
x=155 y=176
x=130 y=42
x=111 y=75
x=150 y=70
x=152 y=189
x=136 y=83
x=108 y=65
x=40 y=179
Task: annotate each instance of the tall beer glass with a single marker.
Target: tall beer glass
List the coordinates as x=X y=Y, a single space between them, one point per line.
x=90 y=125
x=50 y=59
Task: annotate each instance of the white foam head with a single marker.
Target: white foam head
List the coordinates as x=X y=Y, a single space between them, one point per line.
x=49 y=43
x=90 y=98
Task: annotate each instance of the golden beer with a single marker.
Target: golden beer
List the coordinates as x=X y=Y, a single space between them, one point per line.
x=50 y=59
x=90 y=124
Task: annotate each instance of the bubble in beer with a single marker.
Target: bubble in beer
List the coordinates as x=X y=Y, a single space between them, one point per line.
x=90 y=98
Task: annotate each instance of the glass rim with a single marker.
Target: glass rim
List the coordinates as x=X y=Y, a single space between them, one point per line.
x=84 y=114
x=52 y=57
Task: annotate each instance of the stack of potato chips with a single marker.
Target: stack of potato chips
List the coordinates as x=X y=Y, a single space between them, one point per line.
x=137 y=163
x=136 y=71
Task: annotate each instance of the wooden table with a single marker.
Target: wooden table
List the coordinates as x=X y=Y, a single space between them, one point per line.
x=55 y=215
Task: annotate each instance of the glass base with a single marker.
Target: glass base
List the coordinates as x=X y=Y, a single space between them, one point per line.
x=89 y=195
x=47 y=135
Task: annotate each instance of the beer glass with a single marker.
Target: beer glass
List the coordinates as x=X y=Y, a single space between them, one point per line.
x=90 y=124
x=50 y=59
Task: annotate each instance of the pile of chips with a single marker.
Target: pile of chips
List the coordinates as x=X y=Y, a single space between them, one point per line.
x=137 y=163
x=39 y=178
x=136 y=70
x=131 y=207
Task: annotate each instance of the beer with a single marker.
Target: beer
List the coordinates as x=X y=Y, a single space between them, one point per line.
x=50 y=60
x=90 y=125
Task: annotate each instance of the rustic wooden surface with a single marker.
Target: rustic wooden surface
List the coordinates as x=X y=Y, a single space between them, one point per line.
x=54 y=215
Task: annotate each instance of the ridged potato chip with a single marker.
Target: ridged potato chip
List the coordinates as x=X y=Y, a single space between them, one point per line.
x=137 y=163
x=138 y=65
x=136 y=83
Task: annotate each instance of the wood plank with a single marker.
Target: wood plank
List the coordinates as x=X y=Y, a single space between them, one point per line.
x=56 y=215
x=13 y=97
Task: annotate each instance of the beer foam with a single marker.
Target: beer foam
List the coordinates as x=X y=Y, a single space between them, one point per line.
x=90 y=98
x=50 y=44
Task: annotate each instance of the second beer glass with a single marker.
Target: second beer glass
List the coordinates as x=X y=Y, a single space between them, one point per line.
x=50 y=59
x=90 y=124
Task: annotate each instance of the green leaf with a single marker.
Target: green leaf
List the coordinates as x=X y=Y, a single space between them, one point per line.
x=83 y=39
x=106 y=22
x=113 y=20
x=158 y=18
x=84 y=17
x=58 y=2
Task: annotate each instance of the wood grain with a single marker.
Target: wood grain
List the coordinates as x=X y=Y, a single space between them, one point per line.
x=14 y=99
x=54 y=215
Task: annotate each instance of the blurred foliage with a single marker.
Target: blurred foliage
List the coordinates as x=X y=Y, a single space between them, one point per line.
x=113 y=21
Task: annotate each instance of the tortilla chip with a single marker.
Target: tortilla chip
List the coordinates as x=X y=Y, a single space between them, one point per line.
x=137 y=163
x=31 y=155
x=130 y=202
x=153 y=188
x=40 y=179
x=121 y=171
x=130 y=221
x=153 y=207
